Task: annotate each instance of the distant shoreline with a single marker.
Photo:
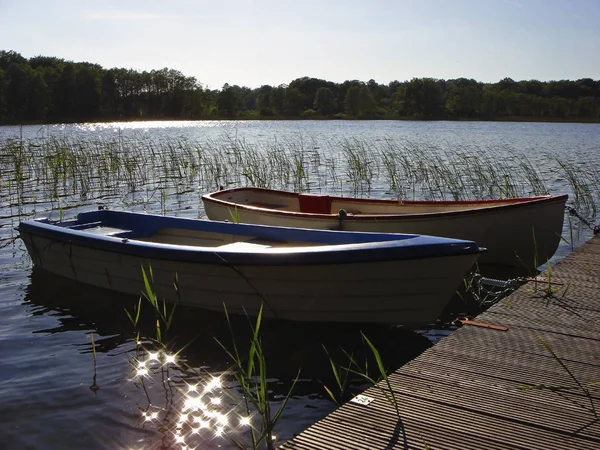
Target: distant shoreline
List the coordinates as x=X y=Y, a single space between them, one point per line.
x=44 y=90
x=282 y=118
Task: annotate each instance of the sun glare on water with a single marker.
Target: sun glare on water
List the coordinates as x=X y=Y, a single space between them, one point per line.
x=201 y=410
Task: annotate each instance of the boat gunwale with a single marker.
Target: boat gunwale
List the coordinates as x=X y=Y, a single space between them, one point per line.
x=496 y=205
x=385 y=249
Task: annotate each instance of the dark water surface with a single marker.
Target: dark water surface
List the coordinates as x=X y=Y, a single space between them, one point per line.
x=54 y=393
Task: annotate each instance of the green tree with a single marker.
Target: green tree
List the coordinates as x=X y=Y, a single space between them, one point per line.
x=229 y=102
x=263 y=101
x=2 y=96
x=559 y=107
x=16 y=91
x=423 y=98
x=88 y=93
x=378 y=91
x=10 y=57
x=38 y=98
x=464 y=98
x=277 y=100
x=309 y=87
x=531 y=87
x=587 y=107
x=359 y=102
x=367 y=104
x=65 y=94
x=325 y=102
x=198 y=103
x=294 y=102
x=342 y=92
x=109 y=95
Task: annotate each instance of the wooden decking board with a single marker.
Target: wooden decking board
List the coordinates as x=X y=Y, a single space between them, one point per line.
x=579 y=294
x=353 y=439
x=508 y=361
x=524 y=341
x=464 y=393
x=571 y=408
x=460 y=376
x=545 y=320
x=479 y=425
x=583 y=267
x=578 y=297
x=495 y=377
x=506 y=404
x=339 y=435
x=455 y=417
x=581 y=331
x=531 y=352
x=578 y=300
x=417 y=413
x=590 y=249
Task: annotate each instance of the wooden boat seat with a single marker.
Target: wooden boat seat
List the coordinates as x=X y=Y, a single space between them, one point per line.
x=104 y=231
x=242 y=246
x=315 y=204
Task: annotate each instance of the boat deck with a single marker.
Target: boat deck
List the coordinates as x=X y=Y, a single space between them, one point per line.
x=534 y=386
x=219 y=240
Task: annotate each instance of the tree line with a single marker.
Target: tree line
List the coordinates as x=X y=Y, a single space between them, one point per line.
x=50 y=89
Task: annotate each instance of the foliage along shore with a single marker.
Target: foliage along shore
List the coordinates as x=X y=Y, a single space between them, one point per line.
x=242 y=117
x=51 y=90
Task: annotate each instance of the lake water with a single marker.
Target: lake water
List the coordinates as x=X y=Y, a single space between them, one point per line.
x=55 y=392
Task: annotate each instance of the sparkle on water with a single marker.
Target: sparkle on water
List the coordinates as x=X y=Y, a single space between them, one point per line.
x=201 y=414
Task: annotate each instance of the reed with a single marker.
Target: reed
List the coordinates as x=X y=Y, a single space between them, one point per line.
x=250 y=371
x=342 y=375
x=578 y=384
x=163 y=315
x=66 y=167
x=580 y=182
x=94 y=387
x=359 y=165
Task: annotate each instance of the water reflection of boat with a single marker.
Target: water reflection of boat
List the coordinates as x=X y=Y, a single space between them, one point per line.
x=288 y=345
x=521 y=232
x=295 y=274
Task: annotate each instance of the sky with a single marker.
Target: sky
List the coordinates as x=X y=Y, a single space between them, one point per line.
x=256 y=42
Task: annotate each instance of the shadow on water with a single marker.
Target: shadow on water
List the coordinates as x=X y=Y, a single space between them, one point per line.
x=288 y=346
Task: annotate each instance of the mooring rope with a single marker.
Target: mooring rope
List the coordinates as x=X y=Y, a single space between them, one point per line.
x=573 y=212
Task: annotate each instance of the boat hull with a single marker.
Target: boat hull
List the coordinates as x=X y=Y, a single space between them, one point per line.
x=517 y=233
x=410 y=292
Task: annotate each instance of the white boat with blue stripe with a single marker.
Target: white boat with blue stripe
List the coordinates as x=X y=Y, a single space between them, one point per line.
x=294 y=274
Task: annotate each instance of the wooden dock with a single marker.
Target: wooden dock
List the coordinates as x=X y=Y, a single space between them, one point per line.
x=469 y=391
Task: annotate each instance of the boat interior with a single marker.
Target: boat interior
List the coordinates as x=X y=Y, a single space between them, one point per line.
x=189 y=237
x=222 y=241
x=325 y=204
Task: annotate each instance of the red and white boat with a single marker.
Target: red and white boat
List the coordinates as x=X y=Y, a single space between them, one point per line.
x=518 y=232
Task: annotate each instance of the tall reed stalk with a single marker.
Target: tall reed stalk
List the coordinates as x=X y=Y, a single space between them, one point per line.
x=161 y=174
